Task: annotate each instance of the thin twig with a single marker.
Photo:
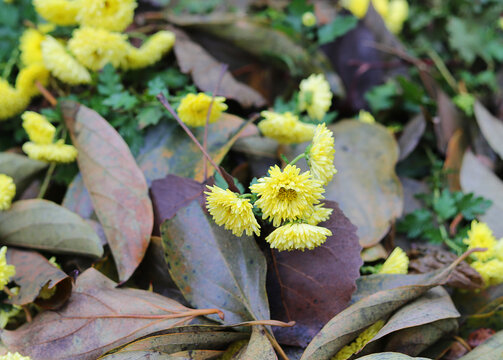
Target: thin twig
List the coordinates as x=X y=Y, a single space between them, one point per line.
x=276 y=346
x=463 y=343
x=168 y=107
x=46 y=93
x=223 y=70
x=47 y=179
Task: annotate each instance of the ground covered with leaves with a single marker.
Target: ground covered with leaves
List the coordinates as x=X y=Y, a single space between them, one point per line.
x=251 y=179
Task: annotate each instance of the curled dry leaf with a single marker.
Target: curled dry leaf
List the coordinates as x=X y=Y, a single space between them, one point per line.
x=97 y=318
x=117 y=186
x=33 y=272
x=214 y=268
x=205 y=71
x=44 y=225
x=311 y=287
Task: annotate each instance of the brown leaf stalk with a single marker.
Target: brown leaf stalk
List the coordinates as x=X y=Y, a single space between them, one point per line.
x=190 y=313
x=46 y=93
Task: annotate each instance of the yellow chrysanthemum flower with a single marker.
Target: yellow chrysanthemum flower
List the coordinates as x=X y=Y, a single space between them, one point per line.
x=396 y=263
x=357 y=7
x=59 y=12
x=315 y=96
x=321 y=155
x=319 y=214
x=285 y=128
x=14 y=356
x=231 y=211
x=58 y=152
x=30 y=47
x=287 y=194
x=61 y=64
x=356 y=346
x=193 y=109
x=6 y=271
x=491 y=271
x=7 y=192
x=297 y=236
x=481 y=236
x=38 y=128
x=113 y=15
x=151 y=51
x=397 y=15
x=12 y=101
x=25 y=81
x=382 y=7
x=366 y=117
x=94 y=48
x=308 y=19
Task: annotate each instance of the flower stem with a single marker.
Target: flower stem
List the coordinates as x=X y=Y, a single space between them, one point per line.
x=47 y=179
x=300 y=156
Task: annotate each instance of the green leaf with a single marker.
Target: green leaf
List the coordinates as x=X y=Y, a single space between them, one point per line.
x=415 y=223
x=122 y=100
x=471 y=206
x=381 y=97
x=109 y=81
x=444 y=205
x=465 y=39
x=149 y=116
x=465 y=102
x=338 y=27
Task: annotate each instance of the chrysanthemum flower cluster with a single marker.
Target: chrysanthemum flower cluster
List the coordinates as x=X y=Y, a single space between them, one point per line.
x=288 y=198
x=315 y=98
x=7 y=191
x=41 y=145
x=393 y=12
x=489 y=264
x=194 y=108
x=99 y=40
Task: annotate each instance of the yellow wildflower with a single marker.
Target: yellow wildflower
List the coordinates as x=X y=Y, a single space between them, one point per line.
x=319 y=214
x=193 y=109
x=12 y=101
x=491 y=271
x=7 y=192
x=481 y=236
x=30 y=47
x=315 y=96
x=58 y=152
x=14 y=356
x=25 y=81
x=6 y=271
x=321 y=155
x=94 y=48
x=38 y=128
x=113 y=15
x=398 y=14
x=231 y=211
x=287 y=194
x=356 y=346
x=297 y=236
x=396 y=263
x=285 y=128
x=151 y=51
x=308 y=19
x=357 y=7
x=61 y=64
x=366 y=117
x=382 y=7
x=59 y=12
x=46 y=28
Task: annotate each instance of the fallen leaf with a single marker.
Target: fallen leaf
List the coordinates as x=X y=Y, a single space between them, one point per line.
x=489 y=350
x=212 y=266
x=117 y=186
x=205 y=71
x=21 y=168
x=311 y=287
x=454 y=158
x=390 y=356
x=44 y=225
x=447 y=122
x=479 y=336
x=168 y=149
x=477 y=178
x=411 y=188
x=374 y=253
x=491 y=127
x=77 y=198
x=33 y=272
x=259 y=346
x=97 y=318
x=411 y=135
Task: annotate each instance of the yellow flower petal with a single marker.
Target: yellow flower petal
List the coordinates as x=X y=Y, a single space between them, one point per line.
x=12 y=101
x=59 y=12
x=14 y=356
x=38 y=128
x=30 y=45
x=58 y=152
x=113 y=15
x=347 y=351
x=6 y=271
x=151 y=51
x=193 y=109
x=285 y=128
x=481 y=236
x=297 y=237
x=396 y=263
x=315 y=96
x=321 y=155
x=7 y=192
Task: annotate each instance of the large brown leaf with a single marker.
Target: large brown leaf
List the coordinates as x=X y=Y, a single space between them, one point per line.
x=205 y=71
x=345 y=326
x=44 y=225
x=214 y=268
x=97 y=318
x=448 y=121
x=491 y=127
x=117 y=186
x=33 y=272
x=311 y=287
x=477 y=178
x=77 y=198
x=21 y=168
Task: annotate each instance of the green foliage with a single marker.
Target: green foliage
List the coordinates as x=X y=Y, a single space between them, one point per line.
x=338 y=27
x=381 y=97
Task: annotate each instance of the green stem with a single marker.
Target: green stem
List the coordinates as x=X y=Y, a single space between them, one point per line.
x=443 y=70
x=303 y=155
x=47 y=180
